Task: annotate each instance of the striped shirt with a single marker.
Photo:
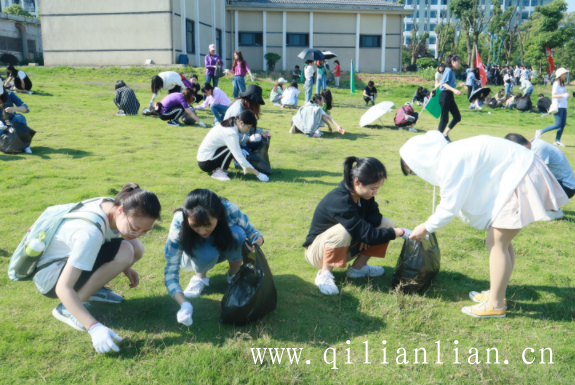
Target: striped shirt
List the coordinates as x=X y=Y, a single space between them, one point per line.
x=126 y=101
x=174 y=251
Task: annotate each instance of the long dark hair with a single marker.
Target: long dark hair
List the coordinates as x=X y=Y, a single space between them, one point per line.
x=275 y=88
x=157 y=84
x=120 y=84
x=246 y=117
x=13 y=71
x=138 y=202
x=367 y=171
x=327 y=98
x=189 y=95
x=450 y=59
x=250 y=105
x=239 y=60
x=336 y=61
x=200 y=205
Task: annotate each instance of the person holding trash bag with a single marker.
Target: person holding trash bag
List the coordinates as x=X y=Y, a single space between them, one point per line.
x=240 y=68
x=492 y=184
x=177 y=105
x=446 y=98
x=11 y=105
x=205 y=231
x=347 y=226
x=250 y=100
x=222 y=144
x=210 y=62
x=83 y=256
x=169 y=81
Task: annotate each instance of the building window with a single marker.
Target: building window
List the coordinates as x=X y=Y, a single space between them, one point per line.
x=524 y=15
x=408 y=27
x=369 y=41
x=432 y=52
x=432 y=40
x=297 y=39
x=409 y=2
x=407 y=40
x=443 y=2
x=432 y=27
x=219 y=41
x=433 y=2
x=251 y=38
x=433 y=14
x=190 y=37
x=526 y=3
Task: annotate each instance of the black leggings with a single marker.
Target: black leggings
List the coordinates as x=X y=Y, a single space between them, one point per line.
x=447 y=103
x=469 y=91
x=173 y=113
x=221 y=159
x=570 y=192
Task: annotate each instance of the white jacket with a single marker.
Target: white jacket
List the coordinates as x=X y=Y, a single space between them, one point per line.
x=220 y=136
x=476 y=175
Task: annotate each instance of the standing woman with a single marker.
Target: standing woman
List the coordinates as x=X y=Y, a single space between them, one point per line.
x=471 y=81
x=439 y=75
x=240 y=68
x=222 y=144
x=558 y=94
x=308 y=71
x=206 y=231
x=18 y=80
x=83 y=257
x=210 y=63
x=337 y=73
x=491 y=185
x=168 y=81
x=321 y=76
x=446 y=98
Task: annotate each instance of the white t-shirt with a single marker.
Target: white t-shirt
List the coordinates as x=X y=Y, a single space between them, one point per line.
x=79 y=240
x=558 y=89
x=438 y=77
x=309 y=71
x=21 y=75
x=290 y=96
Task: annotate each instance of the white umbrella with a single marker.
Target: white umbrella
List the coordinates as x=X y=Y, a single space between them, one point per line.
x=375 y=112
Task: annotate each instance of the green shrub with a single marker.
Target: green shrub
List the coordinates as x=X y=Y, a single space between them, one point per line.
x=428 y=73
x=426 y=62
x=17 y=10
x=271 y=60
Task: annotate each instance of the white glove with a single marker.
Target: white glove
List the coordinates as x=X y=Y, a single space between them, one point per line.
x=202 y=124
x=151 y=104
x=185 y=314
x=406 y=233
x=263 y=177
x=245 y=152
x=103 y=338
x=253 y=78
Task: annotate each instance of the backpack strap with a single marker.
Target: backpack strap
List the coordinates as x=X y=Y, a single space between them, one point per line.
x=98 y=221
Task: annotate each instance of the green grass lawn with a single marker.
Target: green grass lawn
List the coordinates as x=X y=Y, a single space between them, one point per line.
x=83 y=150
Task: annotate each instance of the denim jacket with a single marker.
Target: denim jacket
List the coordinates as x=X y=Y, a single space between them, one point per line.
x=13 y=101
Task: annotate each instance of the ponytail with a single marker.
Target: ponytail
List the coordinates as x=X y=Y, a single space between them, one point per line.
x=367 y=171
x=451 y=58
x=138 y=202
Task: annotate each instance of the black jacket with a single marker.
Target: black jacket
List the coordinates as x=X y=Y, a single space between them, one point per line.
x=337 y=207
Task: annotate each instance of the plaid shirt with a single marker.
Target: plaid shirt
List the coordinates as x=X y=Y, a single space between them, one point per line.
x=174 y=252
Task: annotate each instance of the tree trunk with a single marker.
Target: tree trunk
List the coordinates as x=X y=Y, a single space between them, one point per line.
x=468 y=45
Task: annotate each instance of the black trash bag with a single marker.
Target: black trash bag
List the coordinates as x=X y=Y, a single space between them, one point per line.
x=252 y=293
x=259 y=157
x=544 y=104
x=417 y=265
x=524 y=104
x=188 y=121
x=149 y=112
x=16 y=138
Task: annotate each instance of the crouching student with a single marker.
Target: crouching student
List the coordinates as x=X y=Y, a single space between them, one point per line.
x=206 y=231
x=310 y=117
x=222 y=144
x=290 y=96
x=177 y=105
x=406 y=117
x=347 y=226
x=492 y=185
x=126 y=100
x=82 y=258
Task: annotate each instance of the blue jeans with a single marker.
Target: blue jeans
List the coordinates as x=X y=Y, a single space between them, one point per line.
x=206 y=256
x=560 y=122
x=508 y=88
x=219 y=111
x=209 y=79
x=528 y=91
x=239 y=85
x=308 y=87
x=321 y=82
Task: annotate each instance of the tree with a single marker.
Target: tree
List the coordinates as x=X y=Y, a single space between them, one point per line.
x=271 y=60
x=17 y=10
x=499 y=30
x=417 y=43
x=445 y=34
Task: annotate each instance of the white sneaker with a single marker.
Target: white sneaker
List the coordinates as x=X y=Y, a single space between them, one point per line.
x=558 y=143
x=196 y=286
x=277 y=105
x=317 y=134
x=553 y=215
x=28 y=150
x=30 y=92
x=202 y=124
x=220 y=175
x=230 y=277
x=326 y=283
x=366 y=271
x=538 y=134
x=418 y=103
x=544 y=115
x=411 y=129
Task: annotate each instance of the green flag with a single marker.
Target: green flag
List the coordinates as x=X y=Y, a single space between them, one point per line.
x=352 y=79
x=433 y=105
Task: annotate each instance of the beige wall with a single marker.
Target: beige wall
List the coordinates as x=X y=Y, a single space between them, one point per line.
x=33 y=32
x=117 y=39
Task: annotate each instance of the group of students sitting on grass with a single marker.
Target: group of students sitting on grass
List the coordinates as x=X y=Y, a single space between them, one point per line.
x=347 y=226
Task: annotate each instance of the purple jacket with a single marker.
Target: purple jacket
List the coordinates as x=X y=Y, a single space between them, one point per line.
x=210 y=63
x=173 y=100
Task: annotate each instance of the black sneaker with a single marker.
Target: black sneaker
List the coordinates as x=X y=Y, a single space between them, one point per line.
x=173 y=123
x=106 y=295
x=447 y=138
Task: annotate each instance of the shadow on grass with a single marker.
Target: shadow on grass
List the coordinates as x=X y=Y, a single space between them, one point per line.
x=5 y=254
x=347 y=136
x=9 y=157
x=44 y=152
x=301 y=176
x=40 y=93
x=303 y=314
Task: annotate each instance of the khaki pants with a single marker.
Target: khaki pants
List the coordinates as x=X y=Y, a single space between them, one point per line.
x=334 y=245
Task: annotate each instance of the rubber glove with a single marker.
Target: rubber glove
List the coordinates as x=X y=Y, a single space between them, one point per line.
x=202 y=124
x=253 y=78
x=263 y=177
x=103 y=338
x=185 y=314
x=245 y=152
x=406 y=233
x=151 y=105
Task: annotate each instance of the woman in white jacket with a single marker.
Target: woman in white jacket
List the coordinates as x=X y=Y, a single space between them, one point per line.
x=491 y=185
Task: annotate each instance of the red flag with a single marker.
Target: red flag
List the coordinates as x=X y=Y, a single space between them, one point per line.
x=551 y=67
x=479 y=65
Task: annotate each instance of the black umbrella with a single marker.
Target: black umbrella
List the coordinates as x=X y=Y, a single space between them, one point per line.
x=328 y=55
x=311 y=54
x=479 y=93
